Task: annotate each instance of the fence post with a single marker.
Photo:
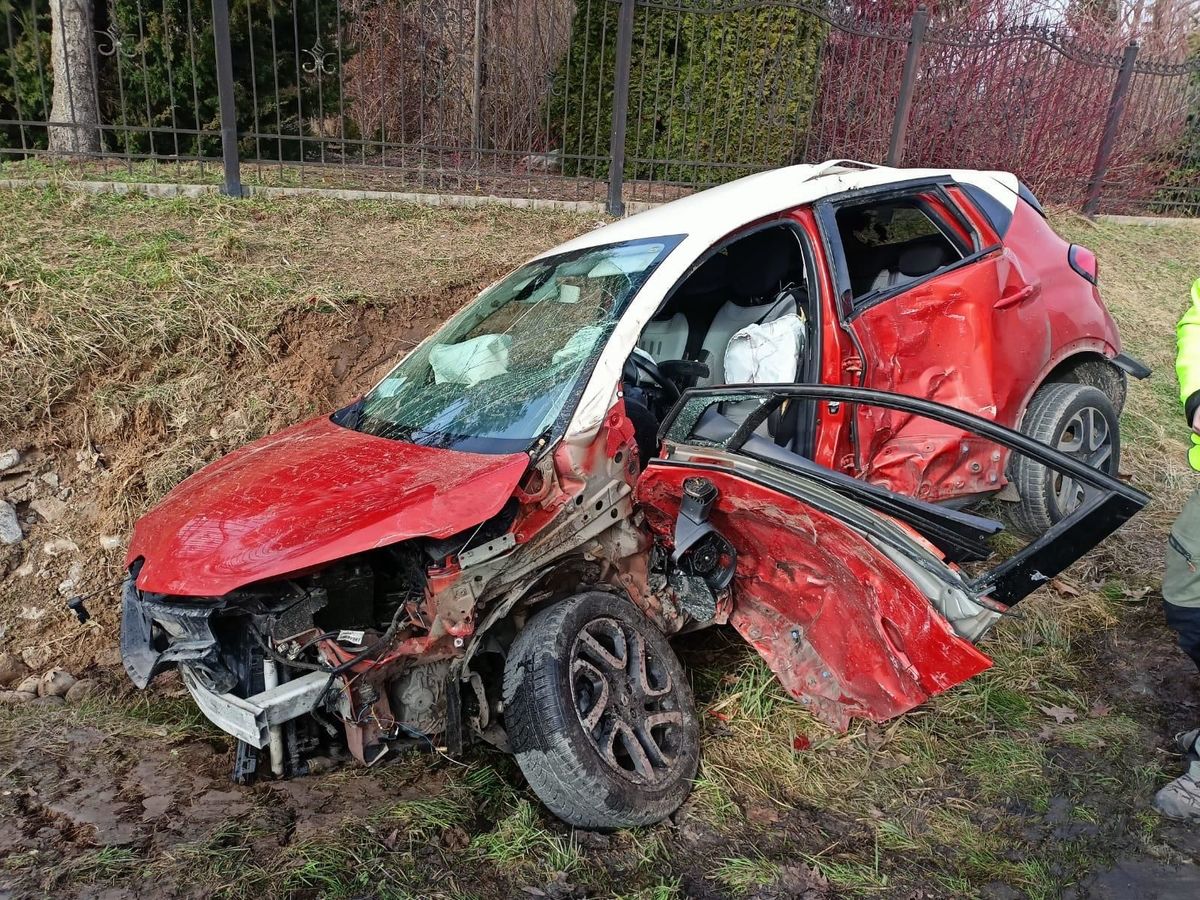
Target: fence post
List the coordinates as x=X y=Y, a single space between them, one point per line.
x=477 y=82
x=616 y=165
x=229 y=140
x=1112 y=121
x=908 y=80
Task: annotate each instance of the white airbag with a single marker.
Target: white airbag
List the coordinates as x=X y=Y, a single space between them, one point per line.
x=470 y=362
x=767 y=353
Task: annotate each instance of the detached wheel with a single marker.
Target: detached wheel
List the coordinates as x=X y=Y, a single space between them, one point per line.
x=1078 y=420
x=599 y=714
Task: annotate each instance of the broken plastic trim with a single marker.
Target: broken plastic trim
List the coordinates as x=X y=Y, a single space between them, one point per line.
x=1112 y=503
x=192 y=640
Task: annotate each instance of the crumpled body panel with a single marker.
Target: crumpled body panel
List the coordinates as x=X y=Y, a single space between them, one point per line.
x=980 y=338
x=846 y=632
x=306 y=496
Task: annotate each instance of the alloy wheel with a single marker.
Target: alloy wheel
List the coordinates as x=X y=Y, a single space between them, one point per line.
x=627 y=701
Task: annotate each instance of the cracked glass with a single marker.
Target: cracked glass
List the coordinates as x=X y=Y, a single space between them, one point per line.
x=499 y=375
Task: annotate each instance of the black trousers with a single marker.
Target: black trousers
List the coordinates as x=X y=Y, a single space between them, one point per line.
x=1185 y=620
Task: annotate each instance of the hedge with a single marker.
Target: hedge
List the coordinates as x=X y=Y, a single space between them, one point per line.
x=156 y=63
x=725 y=87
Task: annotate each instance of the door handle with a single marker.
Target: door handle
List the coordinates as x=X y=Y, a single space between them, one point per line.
x=1018 y=295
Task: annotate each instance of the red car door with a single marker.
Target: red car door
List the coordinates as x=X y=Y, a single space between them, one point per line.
x=939 y=309
x=850 y=592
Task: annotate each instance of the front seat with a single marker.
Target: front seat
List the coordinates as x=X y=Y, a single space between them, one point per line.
x=758 y=264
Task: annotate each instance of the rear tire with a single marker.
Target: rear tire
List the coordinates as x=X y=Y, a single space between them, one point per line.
x=599 y=714
x=1079 y=420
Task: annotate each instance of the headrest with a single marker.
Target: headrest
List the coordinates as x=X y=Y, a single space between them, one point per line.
x=712 y=275
x=758 y=264
x=922 y=259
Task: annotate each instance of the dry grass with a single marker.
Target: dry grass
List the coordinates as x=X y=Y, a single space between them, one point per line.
x=153 y=322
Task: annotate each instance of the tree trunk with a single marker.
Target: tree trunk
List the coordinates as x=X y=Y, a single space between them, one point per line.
x=72 y=61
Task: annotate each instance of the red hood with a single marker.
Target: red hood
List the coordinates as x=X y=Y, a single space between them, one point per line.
x=306 y=496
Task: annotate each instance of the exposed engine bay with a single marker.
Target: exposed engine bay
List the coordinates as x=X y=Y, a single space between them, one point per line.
x=330 y=635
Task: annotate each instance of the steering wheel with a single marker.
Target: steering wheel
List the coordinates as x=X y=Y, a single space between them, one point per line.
x=642 y=361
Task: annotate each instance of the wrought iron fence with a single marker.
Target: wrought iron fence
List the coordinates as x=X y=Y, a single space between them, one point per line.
x=623 y=100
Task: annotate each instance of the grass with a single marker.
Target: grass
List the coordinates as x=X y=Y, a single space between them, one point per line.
x=150 y=324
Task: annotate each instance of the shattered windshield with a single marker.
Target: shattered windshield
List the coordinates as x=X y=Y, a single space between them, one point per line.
x=498 y=374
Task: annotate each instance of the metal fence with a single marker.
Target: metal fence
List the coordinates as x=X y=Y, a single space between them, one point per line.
x=620 y=100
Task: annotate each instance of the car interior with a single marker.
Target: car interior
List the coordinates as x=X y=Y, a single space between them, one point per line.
x=888 y=244
x=742 y=316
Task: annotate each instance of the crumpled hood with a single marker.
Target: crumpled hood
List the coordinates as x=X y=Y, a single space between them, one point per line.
x=308 y=495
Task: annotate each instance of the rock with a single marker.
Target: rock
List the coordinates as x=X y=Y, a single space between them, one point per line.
x=32 y=613
x=87 y=458
x=110 y=542
x=67 y=586
x=12 y=698
x=56 y=683
x=9 y=458
x=29 y=685
x=49 y=700
x=22 y=492
x=10 y=528
x=25 y=569
x=50 y=478
x=36 y=657
x=12 y=669
x=80 y=690
x=59 y=546
x=51 y=509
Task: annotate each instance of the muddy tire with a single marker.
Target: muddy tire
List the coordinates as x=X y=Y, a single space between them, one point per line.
x=1079 y=420
x=599 y=714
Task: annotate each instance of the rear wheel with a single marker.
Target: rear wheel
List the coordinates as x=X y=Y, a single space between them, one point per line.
x=1078 y=420
x=599 y=714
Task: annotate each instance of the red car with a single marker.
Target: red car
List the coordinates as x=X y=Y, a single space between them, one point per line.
x=766 y=404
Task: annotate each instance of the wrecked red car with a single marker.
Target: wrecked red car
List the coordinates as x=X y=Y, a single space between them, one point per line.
x=764 y=405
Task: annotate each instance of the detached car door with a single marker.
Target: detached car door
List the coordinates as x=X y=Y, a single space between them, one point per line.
x=937 y=308
x=864 y=602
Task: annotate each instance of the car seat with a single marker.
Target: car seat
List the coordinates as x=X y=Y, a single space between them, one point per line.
x=758 y=265
x=914 y=262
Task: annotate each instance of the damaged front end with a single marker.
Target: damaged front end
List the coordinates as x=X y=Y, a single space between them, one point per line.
x=287 y=665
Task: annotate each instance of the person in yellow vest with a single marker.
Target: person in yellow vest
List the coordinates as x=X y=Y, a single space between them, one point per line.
x=1181 y=582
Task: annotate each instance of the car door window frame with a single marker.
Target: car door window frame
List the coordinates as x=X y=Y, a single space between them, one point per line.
x=1010 y=580
x=850 y=306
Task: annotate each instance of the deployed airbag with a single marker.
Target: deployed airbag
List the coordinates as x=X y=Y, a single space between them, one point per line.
x=470 y=362
x=766 y=353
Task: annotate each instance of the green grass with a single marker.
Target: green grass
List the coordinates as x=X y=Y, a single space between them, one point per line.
x=740 y=874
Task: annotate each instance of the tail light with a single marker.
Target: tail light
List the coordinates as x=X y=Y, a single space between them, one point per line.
x=1083 y=261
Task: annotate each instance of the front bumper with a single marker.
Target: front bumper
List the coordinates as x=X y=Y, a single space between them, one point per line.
x=156 y=635
x=250 y=719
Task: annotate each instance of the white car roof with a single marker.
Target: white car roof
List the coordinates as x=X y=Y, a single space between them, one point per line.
x=707 y=216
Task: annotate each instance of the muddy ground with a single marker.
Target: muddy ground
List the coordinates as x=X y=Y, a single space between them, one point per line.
x=120 y=798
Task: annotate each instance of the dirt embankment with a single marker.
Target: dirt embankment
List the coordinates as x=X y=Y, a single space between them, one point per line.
x=76 y=485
